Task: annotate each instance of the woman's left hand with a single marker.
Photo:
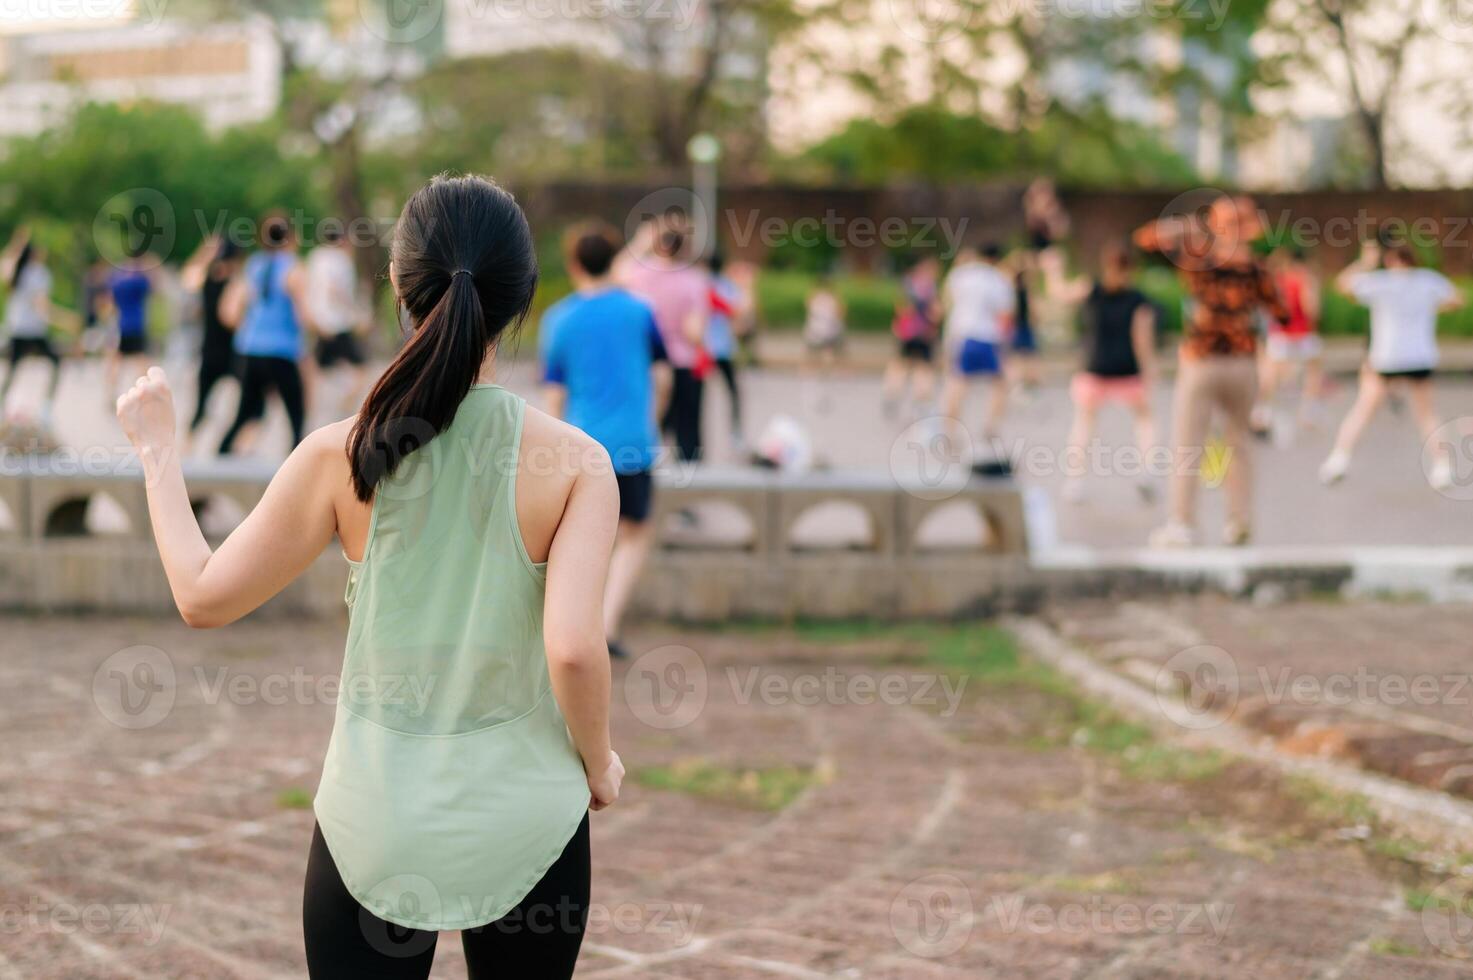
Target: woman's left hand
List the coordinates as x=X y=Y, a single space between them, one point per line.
x=146 y=411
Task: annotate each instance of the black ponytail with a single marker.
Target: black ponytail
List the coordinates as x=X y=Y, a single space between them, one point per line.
x=465 y=269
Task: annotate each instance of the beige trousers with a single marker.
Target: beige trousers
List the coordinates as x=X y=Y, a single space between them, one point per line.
x=1204 y=385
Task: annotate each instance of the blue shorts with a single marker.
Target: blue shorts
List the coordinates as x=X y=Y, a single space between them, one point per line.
x=978 y=357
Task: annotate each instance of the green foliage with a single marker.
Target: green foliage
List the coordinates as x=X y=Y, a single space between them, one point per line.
x=931 y=143
x=60 y=181
x=870 y=301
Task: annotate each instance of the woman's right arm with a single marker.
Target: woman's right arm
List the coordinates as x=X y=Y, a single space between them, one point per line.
x=573 y=622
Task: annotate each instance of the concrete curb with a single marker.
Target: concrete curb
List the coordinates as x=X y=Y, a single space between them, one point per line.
x=1425 y=814
x=1438 y=574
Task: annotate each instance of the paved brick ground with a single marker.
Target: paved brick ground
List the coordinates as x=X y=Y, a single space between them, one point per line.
x=1388 y=685
x=980 y=842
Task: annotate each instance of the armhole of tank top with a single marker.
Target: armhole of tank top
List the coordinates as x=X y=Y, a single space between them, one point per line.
x=367 y=538
x=537 y=570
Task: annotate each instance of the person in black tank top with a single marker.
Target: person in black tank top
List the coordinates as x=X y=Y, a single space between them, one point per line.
x=1119 y=325
x=210 y=271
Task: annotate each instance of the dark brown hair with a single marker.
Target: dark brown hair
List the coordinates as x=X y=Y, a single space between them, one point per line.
x=465 y=269
x=591 y=246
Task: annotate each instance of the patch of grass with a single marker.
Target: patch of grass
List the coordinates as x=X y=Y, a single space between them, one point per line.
x=1106 y=883
x=1157 y=762
x=1383 y=946
x=1395 y=848
x=294 y=798
x=1328 y=806
x=762 y=789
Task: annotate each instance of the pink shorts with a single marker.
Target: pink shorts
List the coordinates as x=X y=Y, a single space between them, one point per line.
x=1094 y=390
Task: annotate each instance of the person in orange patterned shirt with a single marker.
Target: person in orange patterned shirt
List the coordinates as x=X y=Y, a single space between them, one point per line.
x=1228 y=286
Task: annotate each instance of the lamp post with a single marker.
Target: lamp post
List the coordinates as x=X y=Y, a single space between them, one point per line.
x=704 y=150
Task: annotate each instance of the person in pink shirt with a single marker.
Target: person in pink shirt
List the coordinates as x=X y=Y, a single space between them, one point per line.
x=679 y=293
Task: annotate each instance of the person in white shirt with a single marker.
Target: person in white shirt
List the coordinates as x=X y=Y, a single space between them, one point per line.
x=335 y=313
x=1404 y=301
x=29 y=315
x=978 y=301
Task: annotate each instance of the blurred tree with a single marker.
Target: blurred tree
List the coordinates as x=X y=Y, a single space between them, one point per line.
x=1086 y=149
x=1364 y=49
x=149 y=153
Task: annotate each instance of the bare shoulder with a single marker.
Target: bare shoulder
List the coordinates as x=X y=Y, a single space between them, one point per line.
x=329 y=443
x=578 y=454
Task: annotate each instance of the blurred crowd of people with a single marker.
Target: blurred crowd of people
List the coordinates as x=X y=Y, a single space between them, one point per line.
x=650 y=322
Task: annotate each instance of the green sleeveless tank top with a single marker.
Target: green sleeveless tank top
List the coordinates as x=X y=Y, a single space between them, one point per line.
x=451 y=783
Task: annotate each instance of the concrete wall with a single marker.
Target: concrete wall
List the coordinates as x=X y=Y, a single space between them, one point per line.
x=50 y=562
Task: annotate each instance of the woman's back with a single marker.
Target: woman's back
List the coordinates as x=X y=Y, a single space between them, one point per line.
x=447 y=739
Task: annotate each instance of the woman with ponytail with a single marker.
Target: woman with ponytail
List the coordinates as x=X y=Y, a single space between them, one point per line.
x=471 y=736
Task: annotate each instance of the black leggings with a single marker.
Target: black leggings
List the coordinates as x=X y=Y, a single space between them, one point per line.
x=212 y=370
x=683 y=416
x=539 y=938
x=258 y=376
x=727 y=367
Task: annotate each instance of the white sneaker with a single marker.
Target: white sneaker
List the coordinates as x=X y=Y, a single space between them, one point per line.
x=1173 y=535
x=1235 y=535
x=1334 y=468
x=1441 y=474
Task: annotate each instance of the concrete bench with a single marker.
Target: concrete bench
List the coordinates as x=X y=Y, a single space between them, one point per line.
x=743 y=562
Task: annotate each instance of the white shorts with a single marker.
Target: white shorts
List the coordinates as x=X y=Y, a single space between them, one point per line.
x=1294 y=347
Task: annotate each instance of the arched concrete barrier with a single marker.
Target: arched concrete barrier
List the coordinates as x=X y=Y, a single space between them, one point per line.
x=50 y=561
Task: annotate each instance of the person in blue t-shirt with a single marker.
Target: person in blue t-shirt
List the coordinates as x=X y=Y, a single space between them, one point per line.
x=605 y=371
x=128 y=289
x=266 y=303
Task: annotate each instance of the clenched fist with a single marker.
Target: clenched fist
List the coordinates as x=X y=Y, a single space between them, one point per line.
x=146 y=411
